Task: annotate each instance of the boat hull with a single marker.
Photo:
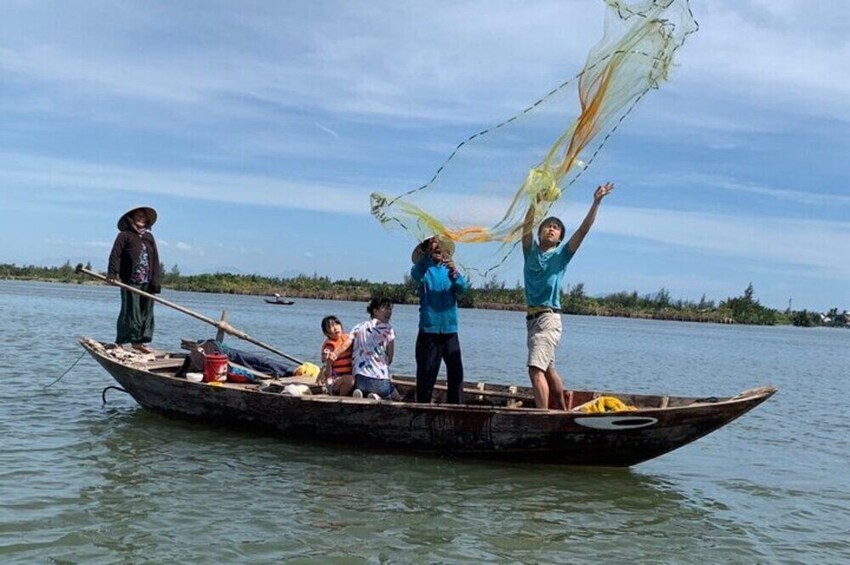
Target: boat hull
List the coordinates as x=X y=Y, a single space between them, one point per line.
x=523 y=435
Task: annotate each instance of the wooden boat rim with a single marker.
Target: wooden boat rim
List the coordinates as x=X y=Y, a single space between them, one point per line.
x=748 y=395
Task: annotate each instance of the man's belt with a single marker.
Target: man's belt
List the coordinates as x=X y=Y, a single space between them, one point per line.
x=537 y=313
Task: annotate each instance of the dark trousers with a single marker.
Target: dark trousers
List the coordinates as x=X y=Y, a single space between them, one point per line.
x=430 y=350
x=135 y=321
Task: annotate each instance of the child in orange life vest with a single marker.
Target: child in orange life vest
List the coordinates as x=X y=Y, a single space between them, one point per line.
x=336 y=356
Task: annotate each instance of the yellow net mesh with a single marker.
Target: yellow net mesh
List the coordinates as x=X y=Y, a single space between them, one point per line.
x=473 y=196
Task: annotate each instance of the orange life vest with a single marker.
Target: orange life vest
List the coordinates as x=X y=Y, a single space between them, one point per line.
x=343 y=364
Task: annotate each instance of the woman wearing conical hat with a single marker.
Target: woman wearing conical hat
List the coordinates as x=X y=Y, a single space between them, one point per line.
x=135 y=261
x=439 y=283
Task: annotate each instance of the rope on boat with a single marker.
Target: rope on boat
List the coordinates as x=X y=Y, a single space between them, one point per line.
x=710 y=399
x=74 y=364
x=103 y=393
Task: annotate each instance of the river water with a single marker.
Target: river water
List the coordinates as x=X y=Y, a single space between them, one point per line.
x=84 y=482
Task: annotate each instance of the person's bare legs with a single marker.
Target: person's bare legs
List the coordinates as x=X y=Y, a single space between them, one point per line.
x=556 y=387
x=540 y=384
x=346 y=385
x=545 y=384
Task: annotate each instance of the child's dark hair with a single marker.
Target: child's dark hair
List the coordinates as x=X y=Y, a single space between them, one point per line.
x=328 y=321
x=377 y=303
x=552 y=220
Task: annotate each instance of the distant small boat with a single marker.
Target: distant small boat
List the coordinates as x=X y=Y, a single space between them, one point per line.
x=280 y=301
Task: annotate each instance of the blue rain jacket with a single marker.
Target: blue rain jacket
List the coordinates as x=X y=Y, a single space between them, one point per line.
x=437 y=296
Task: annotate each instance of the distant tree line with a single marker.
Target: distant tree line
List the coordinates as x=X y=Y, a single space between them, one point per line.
x=492 y=294
x=66 y=273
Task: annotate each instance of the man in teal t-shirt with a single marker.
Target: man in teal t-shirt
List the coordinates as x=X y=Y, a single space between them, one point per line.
x=545 y=263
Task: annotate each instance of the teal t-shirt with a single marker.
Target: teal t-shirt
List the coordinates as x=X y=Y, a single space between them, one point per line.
x=543 y=273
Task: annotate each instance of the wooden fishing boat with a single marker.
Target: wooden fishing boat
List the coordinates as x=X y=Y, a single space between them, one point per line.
x=496 y=422
x=280 y=301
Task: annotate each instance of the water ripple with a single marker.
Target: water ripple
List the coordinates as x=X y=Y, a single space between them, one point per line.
x=81 y=482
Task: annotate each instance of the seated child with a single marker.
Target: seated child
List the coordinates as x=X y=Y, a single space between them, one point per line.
x=336 y=356
x=373 y=345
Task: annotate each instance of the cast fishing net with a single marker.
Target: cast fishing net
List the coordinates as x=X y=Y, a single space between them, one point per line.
x=483 y=190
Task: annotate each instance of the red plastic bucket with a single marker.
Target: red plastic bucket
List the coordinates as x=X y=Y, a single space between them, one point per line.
x=215 y=368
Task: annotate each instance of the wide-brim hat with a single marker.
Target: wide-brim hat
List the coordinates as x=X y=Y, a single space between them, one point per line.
x=446 y=244
x=150 y=212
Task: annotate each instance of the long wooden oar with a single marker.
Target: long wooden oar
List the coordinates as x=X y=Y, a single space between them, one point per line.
x=220 y=324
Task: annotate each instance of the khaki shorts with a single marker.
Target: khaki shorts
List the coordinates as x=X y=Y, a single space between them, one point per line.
x=544 y=333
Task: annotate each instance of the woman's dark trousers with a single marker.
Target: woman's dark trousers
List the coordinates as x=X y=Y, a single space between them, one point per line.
x=135 y=322
x=430 y=350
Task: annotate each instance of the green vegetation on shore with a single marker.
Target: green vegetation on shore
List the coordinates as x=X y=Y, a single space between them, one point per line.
x=744 y=309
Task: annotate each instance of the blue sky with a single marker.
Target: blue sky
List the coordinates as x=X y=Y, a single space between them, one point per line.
x=259 y=129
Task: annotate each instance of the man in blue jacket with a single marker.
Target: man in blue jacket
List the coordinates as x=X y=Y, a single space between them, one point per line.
x=440 y=283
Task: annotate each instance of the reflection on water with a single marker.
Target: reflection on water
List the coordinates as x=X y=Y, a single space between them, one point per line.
x=81 y=482
x=305 y=499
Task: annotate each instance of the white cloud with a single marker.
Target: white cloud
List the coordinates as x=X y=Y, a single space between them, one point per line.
x=771 y=54
x=228 y=112
x=334 y=56
x=811 y=243
x=712 y=182
x=29 y=173
x=818 y=244
x=441 y=64
x=327 y=130
x=97 y=244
